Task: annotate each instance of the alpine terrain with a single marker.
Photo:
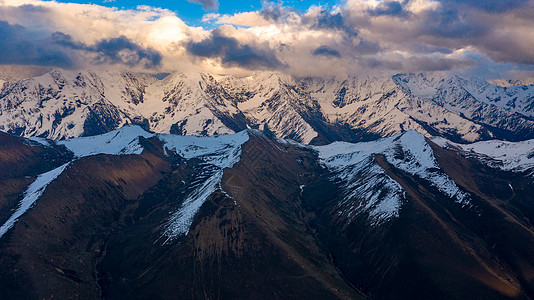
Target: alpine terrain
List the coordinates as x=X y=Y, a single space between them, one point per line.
x=122 y=185
x=65 y=104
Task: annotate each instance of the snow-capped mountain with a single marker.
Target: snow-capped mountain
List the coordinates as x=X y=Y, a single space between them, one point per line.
x=274 y=100
x=63 y=104
x=368 y=189
x=138 y=212
x=507 y=156
x=381 y=107
x=503 y=108
x=163 y=188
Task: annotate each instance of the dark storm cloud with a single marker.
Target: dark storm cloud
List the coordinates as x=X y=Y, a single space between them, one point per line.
x=427 y=49
x=124 y=51
x=323 y=20
x=389 y=8
x=326 y=51
x=115 y=50
x=461 y=26
x=436 y=64
x=233 y=53
x=65 y=40
x=365 y=47
x=206 y=4
x=19 y=46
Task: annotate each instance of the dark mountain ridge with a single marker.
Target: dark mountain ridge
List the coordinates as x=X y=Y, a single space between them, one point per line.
x=137 y=215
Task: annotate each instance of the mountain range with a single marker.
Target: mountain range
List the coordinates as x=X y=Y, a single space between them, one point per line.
x=196 y=186
x=64 y=104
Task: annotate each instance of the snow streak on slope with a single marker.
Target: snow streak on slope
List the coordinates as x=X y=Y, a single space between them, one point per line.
x=413 y=154
x=508 y=156
x=217 y=152
x=369 y=189
x=121 y=141
x=34 y=191
x=220 y=150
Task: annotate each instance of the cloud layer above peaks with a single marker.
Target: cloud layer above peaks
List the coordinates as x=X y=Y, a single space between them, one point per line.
x=488 y=38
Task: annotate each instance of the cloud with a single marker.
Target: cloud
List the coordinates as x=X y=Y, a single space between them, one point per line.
x=326 y=51
x=20 y=46
x=450 y=24
x=389 y=8
x=207 y=4
x=488 y=5
x=321 y=19
x=231 y=52
x=354 y=36
x=118 y=50
x=123 y=51
x=275 y=13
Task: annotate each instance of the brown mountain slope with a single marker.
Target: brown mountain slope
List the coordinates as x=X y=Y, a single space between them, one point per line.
x=272 y=229
x=52 y=250
x=252 y=243
x=21 y=160
x=22 y=157
x=97 y=231
x=436 y=249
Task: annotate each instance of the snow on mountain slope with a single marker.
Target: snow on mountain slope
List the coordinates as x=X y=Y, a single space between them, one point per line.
x=221 y=151
x=32 y=193
x=367 y=187
x=512 y=82
x=503 y=108
x=508 y=156
x=440 y=86
x=380 y=106
x=64 y=104
x=190 y=104
x=218 y=152
x=518 y=99
x=272 y=99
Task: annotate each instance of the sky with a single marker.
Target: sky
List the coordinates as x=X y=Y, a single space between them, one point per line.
x=491 y=38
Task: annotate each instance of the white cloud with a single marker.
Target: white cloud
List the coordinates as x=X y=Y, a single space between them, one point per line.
x=359 y=35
